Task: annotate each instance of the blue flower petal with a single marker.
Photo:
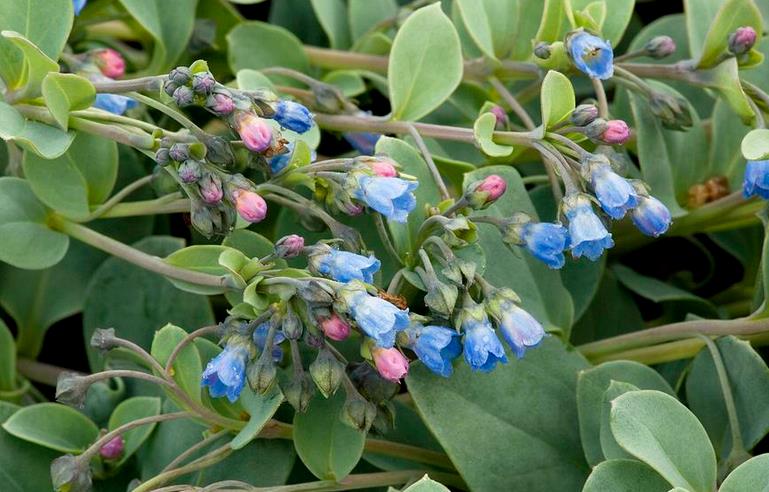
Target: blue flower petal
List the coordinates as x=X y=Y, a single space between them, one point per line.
x=114 y=103
x=436 y=347
x=756 y=180
x=379 y=319
x=225 y=374
x=592 y=55
x=482 y=348
x=546 y=242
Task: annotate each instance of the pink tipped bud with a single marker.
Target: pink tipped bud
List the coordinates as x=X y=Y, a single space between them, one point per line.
x=289 y=246
x=742 y=40
x=255 y=132
x=221 y=104
x=211 y=189
x=390 y=363
x=335 y=328
x=384 y=167
x=113 y=449
x=503 y=122
x=660 y=47
x=250 y=205
x=616 y=133
x=110 y=63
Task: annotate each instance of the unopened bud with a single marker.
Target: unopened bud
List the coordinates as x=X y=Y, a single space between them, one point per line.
x=70 y=474
x=183 y=96
x=327 y=372
x=503 y=121
x=71 y=389
x=203 y=83
x=113 y=449
x=291 y=324
x=169 y=87
x=358 y=413
x=180 y=75
x=110 y=63
x=487 y=191
x=335 y=328
x=371 y=385
x=221 y=104
x=255 y=132
x=390 y=363
x=673 y=111
x=299 y=391
x=104 y=339
x=617 y=133
x=542 y=50
x=250 y=206
x=210 y=187
x=584 y=114
x=202 y=219
x=190 y=171
x=162 y=156
x=384 y=167
x=289 y=246
x=742 y=40
x=179 y=152
x=660 y=47
x=314 y=294
x=262 y=373
x=596 y=128
x=218 y=151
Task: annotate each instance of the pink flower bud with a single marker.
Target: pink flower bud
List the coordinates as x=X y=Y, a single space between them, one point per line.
x=742 y=40
x=255 y=131
x=353 y=209
x=390 y=363
x=250 y=205
x=289 y=246
x=221 y=104
x=617 y=132
x=502 y=119
x=384 y=167
x=335 y=328
x=113 y=449
x=110 y=63
x=494 y=185
x=211 y=189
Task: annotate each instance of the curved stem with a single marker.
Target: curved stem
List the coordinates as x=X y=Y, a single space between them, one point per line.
x=386 y=239
x=194 y=449
x=434 y=172
x=206 y=330
x=119 y=197
x=511 y=101
x=172 y=113
x=139 y=258
x=153 y=83
x=600 y=93
x=168 y=204
x=205 y=461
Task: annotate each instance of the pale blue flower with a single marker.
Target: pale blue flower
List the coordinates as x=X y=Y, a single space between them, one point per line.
x=587 y=234
x=756 y=179
x=651 y=216
x=482 y=346
x=519 y=328
x=260 y=339
x=592 y=55
x=225 y=374
x=114 y=103
x=546 y=242
x=391 y=197
x=343 y=266
x=294 y=116
x=78 y=5
x=378 y=319
x=363 y=142
x=615 y=194
x=436 y=347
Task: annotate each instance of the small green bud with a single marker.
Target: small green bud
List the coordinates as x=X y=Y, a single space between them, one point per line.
x=299 y=391
x=71 y=389
x=70 y=474
x=358 y=412
x=327 y=372
x=262 y=373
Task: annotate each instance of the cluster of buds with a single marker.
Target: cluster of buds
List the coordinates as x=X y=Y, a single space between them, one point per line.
x=609 y=132
x=217 y=197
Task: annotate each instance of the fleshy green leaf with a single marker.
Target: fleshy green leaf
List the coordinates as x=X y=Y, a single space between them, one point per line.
x=492 y=25
x=44 y=140
x=731 y=15
x=36 y=64
x=660 y=431
x=609 y=447
x=200 y=258
x=24 y=467
x=65 y=92
x=332 y=16
x=365 y=14
x=751 y=475
x=625 y=476
x=328 y=447
x=755 y=145
x=7 y=359
x=425 y=484
x=285 y=49
x=25 y=239
x=483 y=131
x=425 y=64
x=71 y=183
x=591 y=386
x=187 y=367
x=520 y=417
x=260 y=408
x=54 y=426
x=557 y=98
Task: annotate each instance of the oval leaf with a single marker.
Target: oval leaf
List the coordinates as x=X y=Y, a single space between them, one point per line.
x=755 y=145
x=54 y=426
x=187 y=367
x=425 y=64
x=660 y=431
x=65 y=92
x=135 y=408
x=751 y=475
x=557 y=98
x=625 y=476
x=483 y=130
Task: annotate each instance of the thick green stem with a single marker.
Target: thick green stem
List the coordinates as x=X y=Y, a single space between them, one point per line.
x=367 y=481
x=169 y=204
x=139 y=258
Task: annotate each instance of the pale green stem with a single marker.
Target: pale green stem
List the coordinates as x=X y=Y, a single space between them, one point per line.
x=119 y=197
x=428 y=157
x=384 y=235
x=511 y=101
x=600 y=93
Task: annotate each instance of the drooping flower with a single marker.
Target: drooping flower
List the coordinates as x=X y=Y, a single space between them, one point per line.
x=482 y=348
x=260 y=340
x=378 y=319
x=225 y=374
x=756 y=181
x=114 y=103
x=335 y=328
x=364 y=143
x=344 y=266
x=250 y=205
x=294 y=116
x=391 y=197
x=519 y=328
x=390 y=363
x=78 y=5
x=436 y=347
x=591 y=55
x=255 y=132
x=110 y=63
x=546 y=242
x=615 y=194
x=651 y=216
x=587 y=234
